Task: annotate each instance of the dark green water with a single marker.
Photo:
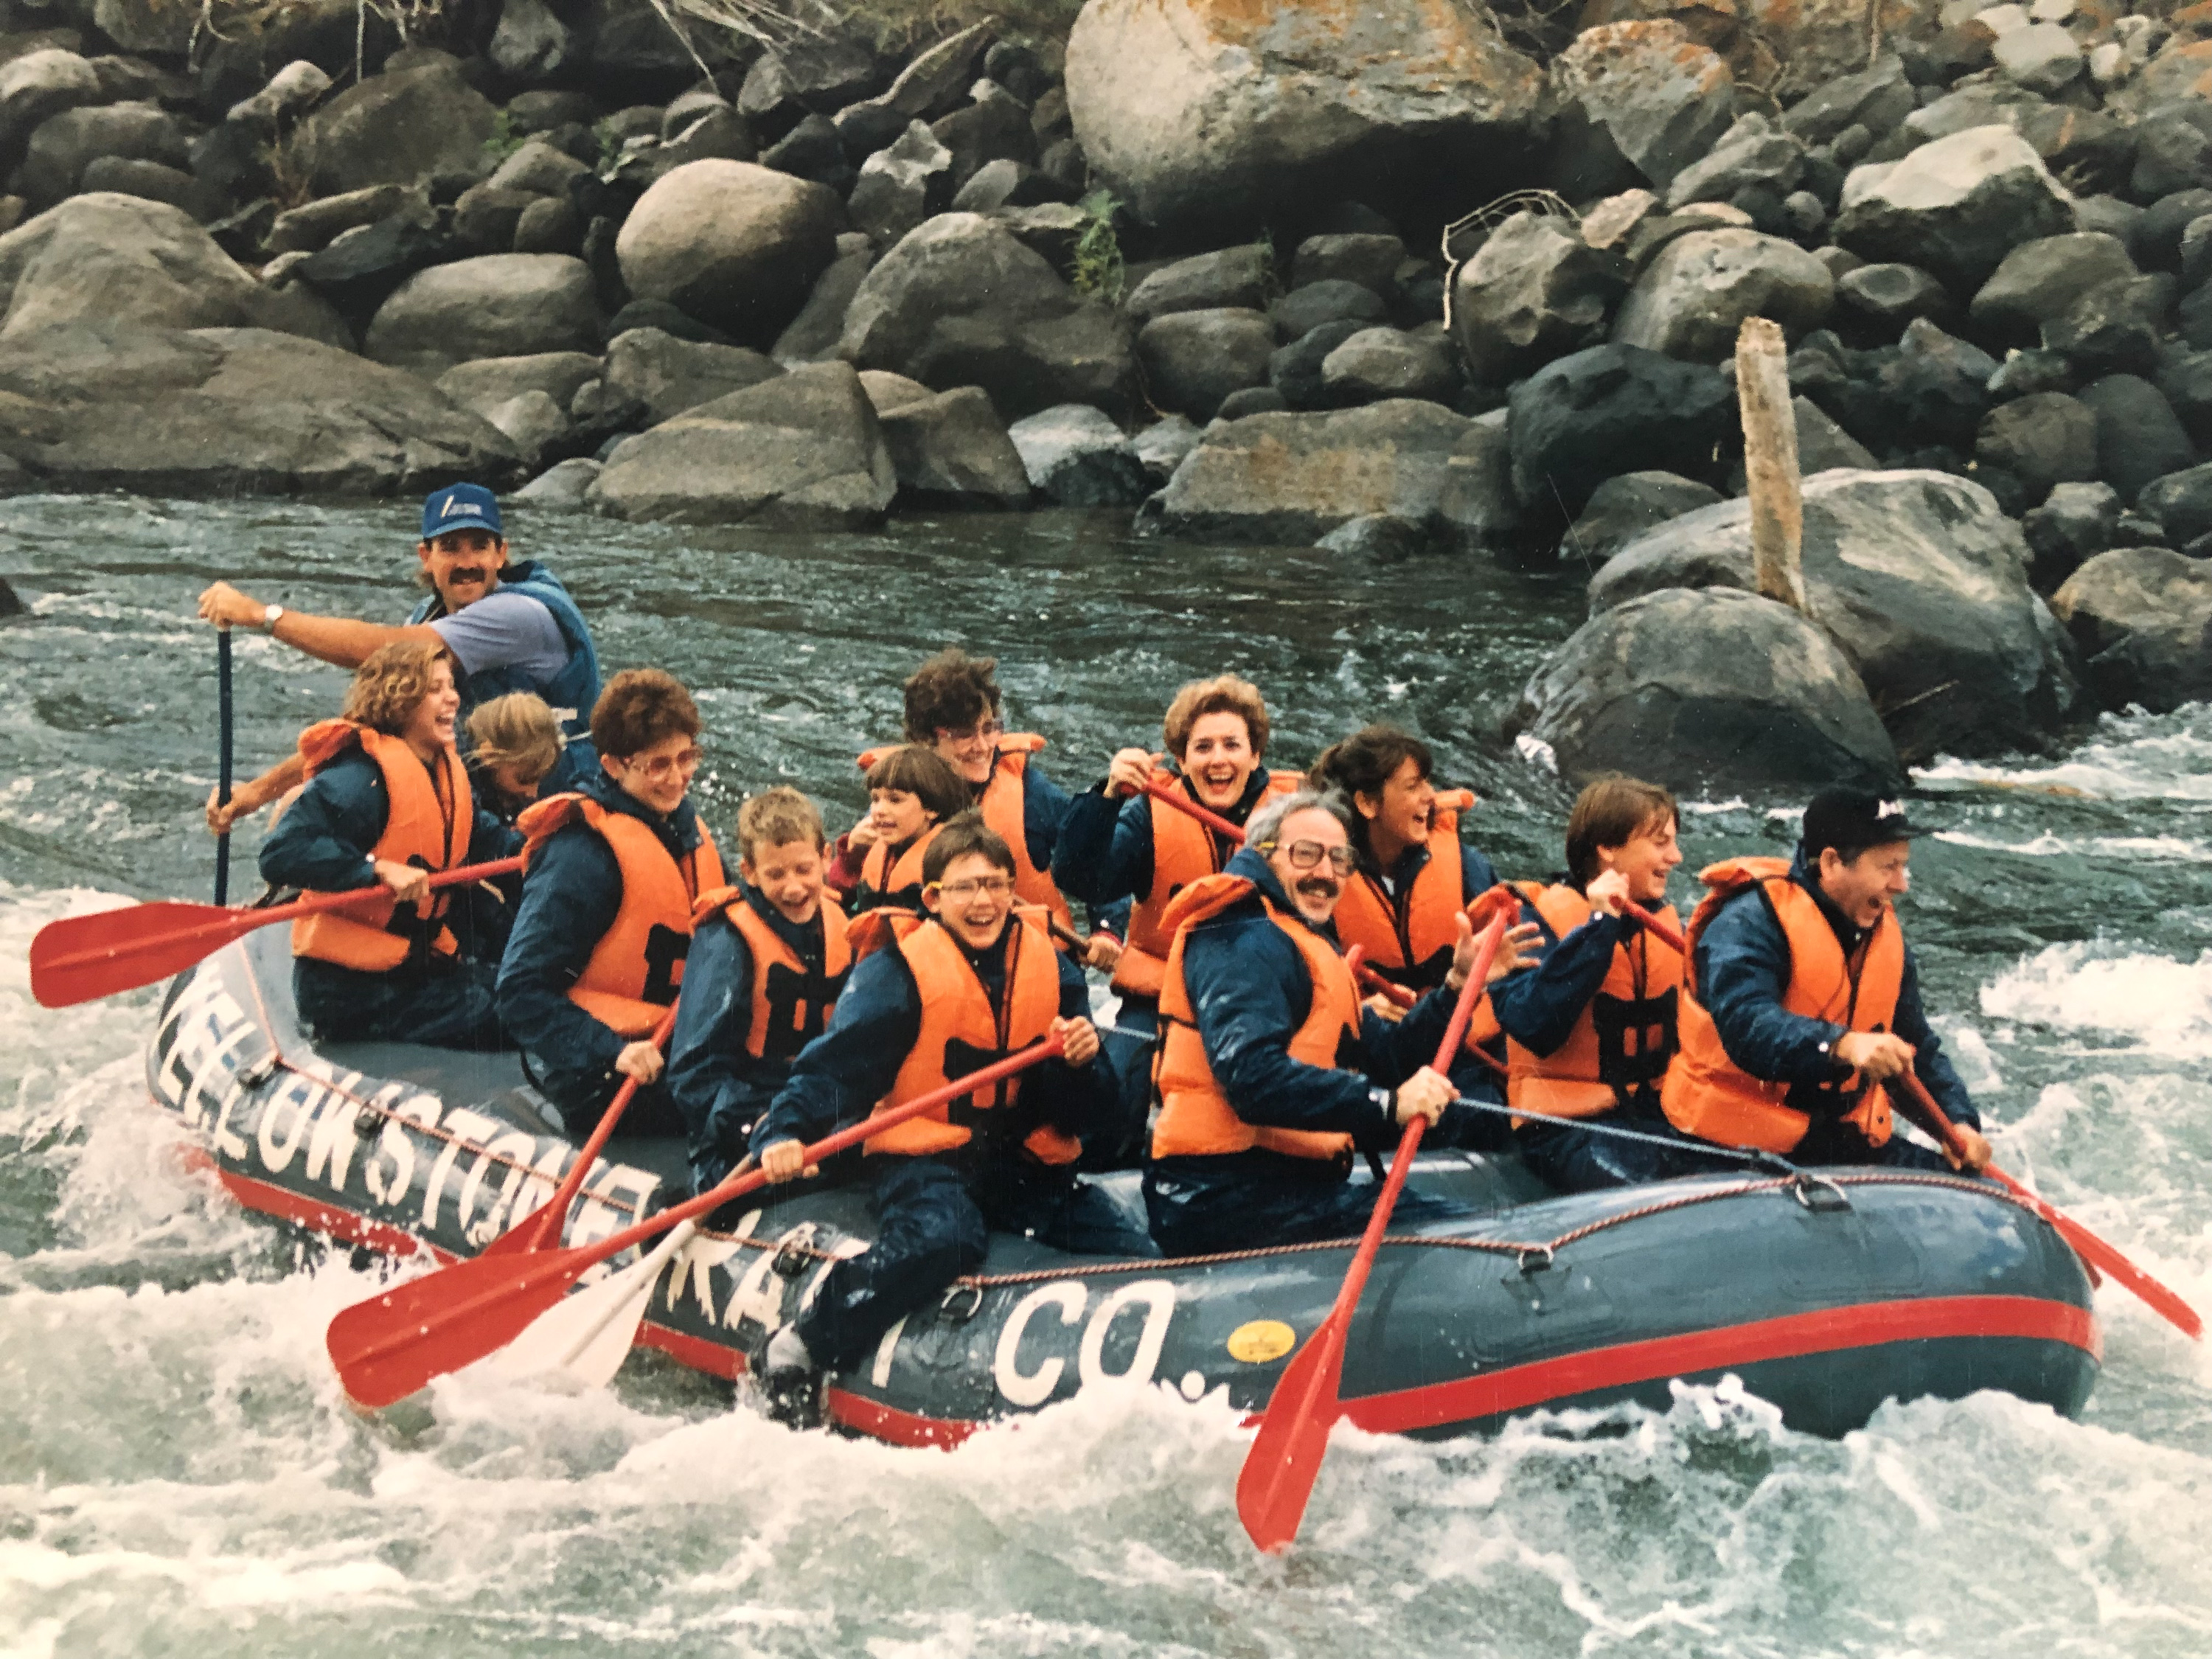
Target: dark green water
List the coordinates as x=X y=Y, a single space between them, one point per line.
x=177 y=1474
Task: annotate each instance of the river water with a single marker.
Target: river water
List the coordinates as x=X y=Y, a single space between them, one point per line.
x=179 y=1473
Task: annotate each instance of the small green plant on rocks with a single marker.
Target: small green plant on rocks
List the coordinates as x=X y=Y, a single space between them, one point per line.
x=1098 y=267
x=504 y=140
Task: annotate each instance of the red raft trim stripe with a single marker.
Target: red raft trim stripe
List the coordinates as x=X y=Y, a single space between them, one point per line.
x=888 y=1423
x=701 y=1355
x=344 y=1224
x=1865 y=1325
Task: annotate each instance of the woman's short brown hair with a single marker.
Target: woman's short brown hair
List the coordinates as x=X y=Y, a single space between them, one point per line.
x=966 y=834
x=950 y=692
x=641 y=706
x=519 y=731
x=777 y=817
x=1225 y=694
x=922 y=772
x=392 y=682
x=1610 y=812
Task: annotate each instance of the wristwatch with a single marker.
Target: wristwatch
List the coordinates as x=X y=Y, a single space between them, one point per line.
x=269 y=618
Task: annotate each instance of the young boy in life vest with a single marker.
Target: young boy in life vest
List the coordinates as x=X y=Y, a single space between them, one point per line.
x=1802 y=999
x=1592 y=1027
x=387 y=803
x=952 y=994
x=911 y=793
x=596 y=954
x=769 y=958
x=1119 y=844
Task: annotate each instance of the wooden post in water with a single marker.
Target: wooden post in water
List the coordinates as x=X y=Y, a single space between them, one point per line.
x=1770 y=460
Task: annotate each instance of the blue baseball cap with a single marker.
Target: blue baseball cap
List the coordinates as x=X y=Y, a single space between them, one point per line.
x=460 y=507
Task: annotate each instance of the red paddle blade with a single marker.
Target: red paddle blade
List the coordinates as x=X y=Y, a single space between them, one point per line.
x=540 y=1228
x=81 y=958
x=1279 y=1473
x=2167 y=1304
x=389 y=1345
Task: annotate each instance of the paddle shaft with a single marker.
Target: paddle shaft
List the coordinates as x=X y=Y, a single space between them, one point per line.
x=1183 y=803
x=1661 y=929
x=222 y=759
x=1405 y=996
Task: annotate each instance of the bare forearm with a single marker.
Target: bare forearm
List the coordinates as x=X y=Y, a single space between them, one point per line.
x=341 y=641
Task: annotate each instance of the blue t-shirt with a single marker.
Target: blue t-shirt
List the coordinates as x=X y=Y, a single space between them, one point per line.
x=505 y=629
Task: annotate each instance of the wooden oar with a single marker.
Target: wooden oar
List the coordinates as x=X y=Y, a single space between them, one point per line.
x=389 y=1345
x=542 y=1226
x=1405 y=997
x=2085 y=1244
x=80 y=958
x=1287 y=1454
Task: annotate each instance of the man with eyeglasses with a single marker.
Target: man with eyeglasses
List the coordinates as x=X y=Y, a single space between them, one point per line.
x=953 y=993
x=1272 y=1074
x=596 y=954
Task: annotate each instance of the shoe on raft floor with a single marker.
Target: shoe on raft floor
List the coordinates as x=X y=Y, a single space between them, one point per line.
x=786 y=1382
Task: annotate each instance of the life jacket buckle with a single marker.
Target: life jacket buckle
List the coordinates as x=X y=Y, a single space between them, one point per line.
x=793 y=1251
x=1534 y=1258
x=953 y=1312
x=1819 y=1193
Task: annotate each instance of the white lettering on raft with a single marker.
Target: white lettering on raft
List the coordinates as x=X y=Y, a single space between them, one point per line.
x=1034 y=1387
x=1020 y=1388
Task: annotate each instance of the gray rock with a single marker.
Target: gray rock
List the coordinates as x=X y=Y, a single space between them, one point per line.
x=97 y=404
x=537 y=426
x=1302 y=310
x=1075 y=456
x=1208 y=110
x=2025 y=372
x=1752 y=154
x=530 y=42
x=888 y=391
x=488 y=382
x=1378 y=363
x=66 y=144
x=2044 y=439
x=1937 y=387
x=1918 y=577
x=1251 y=400
x=1821 y=444
x=39 y=85
x=1692 y=299
x=304 y=230
x=2077 y=521
x=1876 y=99
x=2181 y=502
x=149 y=180
x=803 y=451
x=2155 y=242
x=1711 y=691
x=1193 y=359
x=995 y=127
x=1162 y=445
x=816 y=72
x=1005 y=184
x=1882 y=299
x=952 y=446
x=1610 y=409
x=813 y=334
x=717 y=133
x=2138 y=438
x=2040 y=281
x=1232 y=278
x=2041 y=57
x=1663 y=99
x=1621 y=509
x=812 y=150
x=670 y=376
x=548 y=225
x=361 y=267
x=1295 y=370
x=961 y=303
x=539 y=168
x=404 y=127
x=485 y=217
x=2115 y=328
x=501 y=305
x=735 y=245
x=901 y=186
x=547 y=110
x=2184 y=379
x=1954 y=207
x=1533 y=291
x=562 y=488
x=1368 y=259
x=1051 y=230
x=1289 y=479
x=2142 y=618
x=1379 y=538
x=2172 y=154
x=932 y=80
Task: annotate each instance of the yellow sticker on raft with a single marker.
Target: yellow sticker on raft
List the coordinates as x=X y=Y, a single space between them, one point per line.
x=1262 y=1339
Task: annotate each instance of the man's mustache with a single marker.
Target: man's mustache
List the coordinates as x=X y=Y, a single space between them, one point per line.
x=1319 y=887
x=468 y=573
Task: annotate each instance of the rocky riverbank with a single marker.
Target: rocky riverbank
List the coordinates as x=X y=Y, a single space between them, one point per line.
x=1428 y=279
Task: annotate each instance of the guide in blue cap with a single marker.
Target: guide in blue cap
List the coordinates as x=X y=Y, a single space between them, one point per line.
x=510 y=624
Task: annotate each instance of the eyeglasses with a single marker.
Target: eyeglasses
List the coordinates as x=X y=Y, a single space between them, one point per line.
x=989 y=731
x=1305 y=854
x=960 y=893
x=665 y=765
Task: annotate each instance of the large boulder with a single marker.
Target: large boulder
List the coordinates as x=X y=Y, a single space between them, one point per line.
x=669 y=375
x=1921 y=580
x=952 y=446
x=1610 y=409
x=229 y=411
x=2139 y=437
x=1621 y=509
x=1533 y=291
x=39 y=84
x=1077 y=457
x=2044 y=438
x=1693 y=297
x=1660 y=99
x=403 y=128
x=2141 y=618
x=2039 y=281
x=735 y=245
x=1205 y=111
x=1955 y=207
x=124 y=261
x=501 y=305
x=902 y=184
x=1239 y=277
x=64 y=145
x=803 y=451
x=1707 y=690
x=1193 y=359
x=1789 y=47
x=1380 y=363
x=961 y=303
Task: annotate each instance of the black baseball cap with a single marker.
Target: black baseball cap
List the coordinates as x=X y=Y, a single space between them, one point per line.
x=1854 y=819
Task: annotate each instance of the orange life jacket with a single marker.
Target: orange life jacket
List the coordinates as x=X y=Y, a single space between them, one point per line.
x=1195 y=1115
x=1001 y=803
x=1706 y=1093
x=791 y=1002
x=429 y=826
x=1624 y=1037
x=635 y=970
x=963 y=1031
x=1183 y=851
x=886 y=881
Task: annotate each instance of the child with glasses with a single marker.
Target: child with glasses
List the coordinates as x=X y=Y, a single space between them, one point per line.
x=596 y=954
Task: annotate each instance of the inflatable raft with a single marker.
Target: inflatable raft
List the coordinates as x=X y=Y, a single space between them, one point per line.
x=1825 y=1294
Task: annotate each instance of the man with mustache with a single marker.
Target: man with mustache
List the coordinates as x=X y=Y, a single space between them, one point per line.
x=509 y=627
x=1272 y=1074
